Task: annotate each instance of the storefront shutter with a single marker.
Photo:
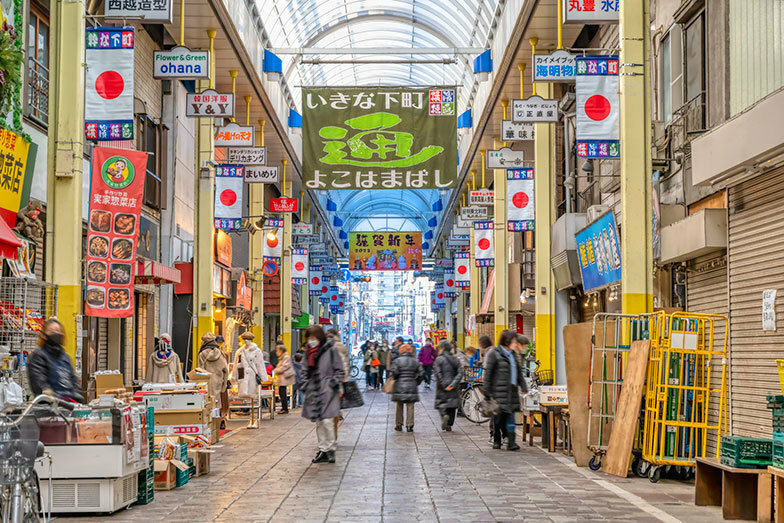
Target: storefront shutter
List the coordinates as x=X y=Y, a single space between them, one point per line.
x=706 y=292
x=103 y=344
x=756 y=263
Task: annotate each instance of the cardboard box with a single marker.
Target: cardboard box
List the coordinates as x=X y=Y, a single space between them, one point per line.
x=182 y=417
x=176 y=401
x=215 y=429
x=553 y=395
x=166 y=473
x=199 y=375
x=201 y=459
x=104 y=382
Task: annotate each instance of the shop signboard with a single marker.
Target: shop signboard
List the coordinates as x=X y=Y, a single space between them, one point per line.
x=209 y=103
x=181 y=63
x=16 y=177
x=243 y=295
x=305 y=239
x=453 y=243
x=534 y=109
x=516 y=132
x=247 y=155
x=221 y=280
x=228 y=197
x=223 y=248
x=234 y=134
x=520 y=199
x=590 y=11
x=24 y=264
x=445 y=263
x=283 y=204
x=379 y=138
x=481 y=197
x=484 y=253
x=504 y=158
x=463 y=222
x=385 y=251
x=274 y=223
x=598 y=252
x=149 y=11
x=147 y=245
x=116 y=188
x=598 y=107
x=261 y=174
x=558 y=66
x=302 y=228
x=108 y=93
x=473 y=212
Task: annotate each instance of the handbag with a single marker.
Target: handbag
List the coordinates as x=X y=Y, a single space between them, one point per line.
x=389 y=386
x=351 y=397
x=489 y=408
x=375 y=362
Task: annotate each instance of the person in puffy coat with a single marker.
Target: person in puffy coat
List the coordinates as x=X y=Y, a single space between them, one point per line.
x=49 y=367
x=449 y=371
x=249 y=364
x=322 y=385
x=408 y=374
x=212 y=360
x=372 y=372
x=503 y=382
x=286 y=376
x=427 y=356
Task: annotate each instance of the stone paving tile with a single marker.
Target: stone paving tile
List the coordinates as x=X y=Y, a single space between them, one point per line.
x=383 y=475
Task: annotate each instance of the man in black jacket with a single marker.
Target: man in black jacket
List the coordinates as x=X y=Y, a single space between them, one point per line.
x=49 y=368
x=503 y=382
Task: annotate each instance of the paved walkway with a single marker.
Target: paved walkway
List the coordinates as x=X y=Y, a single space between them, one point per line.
x=383 y=475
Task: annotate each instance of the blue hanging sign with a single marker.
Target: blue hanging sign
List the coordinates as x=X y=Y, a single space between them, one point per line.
x=599 y=253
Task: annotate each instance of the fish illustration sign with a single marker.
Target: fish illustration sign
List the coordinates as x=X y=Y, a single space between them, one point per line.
x=379 y=138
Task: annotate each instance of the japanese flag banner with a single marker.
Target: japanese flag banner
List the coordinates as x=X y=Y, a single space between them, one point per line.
x=228 y=197
x=316 y=282
x=299 y=266
x=440 y=301
x=449 y=284
x=116 y=189
x=598 y=107
x=484 y=253
x=272 y=244
x=108 y=83
x=333 y=296
x=520 y=199
x=462 y=270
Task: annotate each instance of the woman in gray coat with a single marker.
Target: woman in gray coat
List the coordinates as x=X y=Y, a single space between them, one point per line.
x=408 y=374
x=322 y=375
x=449 y=371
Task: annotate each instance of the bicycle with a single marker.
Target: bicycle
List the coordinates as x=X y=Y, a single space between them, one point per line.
x=472 y=395
x=20 y=447
x=354 y=367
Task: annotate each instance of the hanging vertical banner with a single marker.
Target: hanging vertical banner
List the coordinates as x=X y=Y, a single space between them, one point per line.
x=598 y=107
x=433 y=306
x=449 y=284
x=116 y=188
x=440 y=301
x=108 y=83
x=333 y=296
x=462 y=270
x=520 y=199
x=317 y=287
x=299 y=266
x=484 y=253
x=272 y=244
x=599 y=252
x=228 y=196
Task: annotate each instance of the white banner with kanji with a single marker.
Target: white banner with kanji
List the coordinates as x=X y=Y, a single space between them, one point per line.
x=299 y=266
x=450 y=291
x=520 y=213
x=462 y=270
x=598 y=107
x=484 y=252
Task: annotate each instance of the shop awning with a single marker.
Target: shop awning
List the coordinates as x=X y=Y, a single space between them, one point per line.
x=9 y=243
x=153 y=273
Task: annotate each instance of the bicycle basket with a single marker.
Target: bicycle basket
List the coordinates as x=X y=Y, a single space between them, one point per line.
x=544 y=377
x=18 y=447
x=472 y=374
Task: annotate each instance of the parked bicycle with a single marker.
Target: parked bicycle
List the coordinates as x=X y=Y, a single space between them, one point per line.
x=20 y=497
x=472 y=395
x=356 y=361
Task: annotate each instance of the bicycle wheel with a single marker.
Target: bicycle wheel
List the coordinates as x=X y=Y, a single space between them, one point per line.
x=32 y=502
x=469 y=402
x=354 y=371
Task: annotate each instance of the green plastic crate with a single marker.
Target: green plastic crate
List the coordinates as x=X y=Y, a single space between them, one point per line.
x=740 y=452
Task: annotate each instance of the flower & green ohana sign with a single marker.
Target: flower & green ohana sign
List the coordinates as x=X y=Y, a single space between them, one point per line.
x=181 y=63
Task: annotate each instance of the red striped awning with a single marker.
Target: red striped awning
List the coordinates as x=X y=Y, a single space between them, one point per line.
x=150 y=272
x=9 y=243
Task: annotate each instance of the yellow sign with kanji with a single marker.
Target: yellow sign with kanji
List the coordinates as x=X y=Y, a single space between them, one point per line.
x=16 y=175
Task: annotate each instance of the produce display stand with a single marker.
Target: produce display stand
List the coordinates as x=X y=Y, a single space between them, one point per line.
x=741 y=493
x=778 y=489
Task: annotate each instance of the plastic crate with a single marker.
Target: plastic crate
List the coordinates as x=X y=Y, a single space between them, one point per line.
x=778 y=453
x=740 y=452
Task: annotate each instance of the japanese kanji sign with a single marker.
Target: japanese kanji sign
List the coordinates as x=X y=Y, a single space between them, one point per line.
x=534 y=109
x=283 y=204
x=261 y=174
x=299 y=266
x=473 y=212
x=115 y=203
x=462 y=270
x=484 y=253
x=481 y=197
x=150 y=11
x=228 y=196
x=385 y=251
x=516 y=132
x=234 y=134
x=504 y=158
x=558 y=66
x=16 y=173
x=302 y=228
x=379 y=138
x=598 y=107
x=520 y=199
x=590 y=11
x=247 y=155
x=209 y=103
x=181 y=63
x=108 y=83
x=598 y=252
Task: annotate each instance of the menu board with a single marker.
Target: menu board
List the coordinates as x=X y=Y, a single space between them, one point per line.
x=116 y=188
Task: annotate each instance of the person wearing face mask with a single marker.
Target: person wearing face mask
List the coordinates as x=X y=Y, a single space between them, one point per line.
x=323 y=375
x=49 y=368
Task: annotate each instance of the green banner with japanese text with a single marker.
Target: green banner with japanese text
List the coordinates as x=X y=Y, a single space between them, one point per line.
x=379 y=138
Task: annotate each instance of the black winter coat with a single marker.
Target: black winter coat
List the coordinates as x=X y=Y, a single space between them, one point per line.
x=449 y=372
x=49 y=368
x=408 y=374
x=497 y=380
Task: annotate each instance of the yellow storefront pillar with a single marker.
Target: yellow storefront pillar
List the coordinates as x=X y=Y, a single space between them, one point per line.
x=204 y=224
x=475 y=299
x=255 y=252
x=544 y=146
x=636 y=246
x=285 y=268
x=501 y=292
x=461 y=340
x=64 y=175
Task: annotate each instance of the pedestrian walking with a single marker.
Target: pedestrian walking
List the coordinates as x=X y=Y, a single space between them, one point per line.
x=485 y=345
x=448 y=374
x=462 y=356
x=49 y=367
x=408 y=374
x=334 y=335
x=372 y=364
x=323 y=377
x=503 y=382
x=286 y=376
x=297 y=395
x=383 y=358
x=427 y=356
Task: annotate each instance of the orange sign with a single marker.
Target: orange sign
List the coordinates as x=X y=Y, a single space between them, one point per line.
x=222 y=248
x=244 y=294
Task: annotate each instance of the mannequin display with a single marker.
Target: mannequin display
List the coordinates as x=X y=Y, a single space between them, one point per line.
x=248 y=365
x=164 y=365
x=212 y=360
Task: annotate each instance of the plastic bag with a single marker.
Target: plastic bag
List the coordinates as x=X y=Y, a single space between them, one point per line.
x=14 y=393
